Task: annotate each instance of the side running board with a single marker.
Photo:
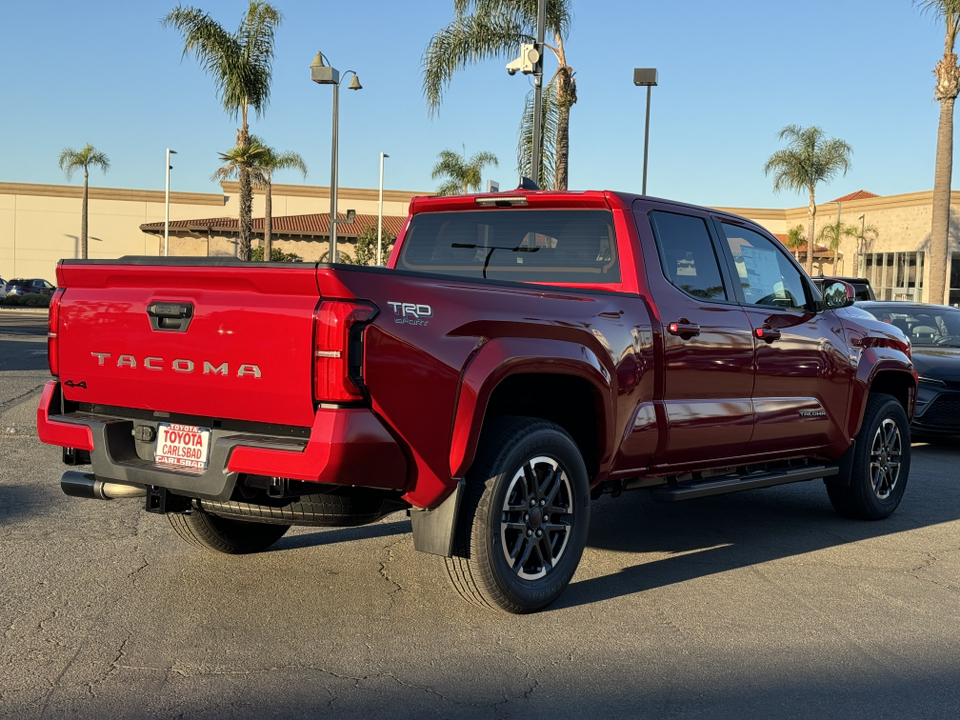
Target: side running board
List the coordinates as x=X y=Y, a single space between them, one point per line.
x=736 y=483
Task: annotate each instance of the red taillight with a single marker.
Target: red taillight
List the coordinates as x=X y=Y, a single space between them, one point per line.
x=338 y=349
x=53 y=330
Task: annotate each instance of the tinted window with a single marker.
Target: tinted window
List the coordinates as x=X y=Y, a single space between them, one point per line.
x=512 y=244
x=923 y=325
x=687 y=255
x=766 y=274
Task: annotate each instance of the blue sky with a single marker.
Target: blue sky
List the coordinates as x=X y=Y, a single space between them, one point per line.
x=731 y=76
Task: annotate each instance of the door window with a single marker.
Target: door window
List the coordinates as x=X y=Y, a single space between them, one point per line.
x=687 y=255
x=766 y=275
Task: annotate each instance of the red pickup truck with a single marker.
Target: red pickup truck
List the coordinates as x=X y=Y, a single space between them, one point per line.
x=521 y=354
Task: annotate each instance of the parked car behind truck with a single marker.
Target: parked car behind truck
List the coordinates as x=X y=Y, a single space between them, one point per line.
x=522 y=354
x=934 y=334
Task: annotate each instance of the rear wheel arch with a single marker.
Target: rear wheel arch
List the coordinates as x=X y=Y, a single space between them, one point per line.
x=568 y=401
x=564 y=383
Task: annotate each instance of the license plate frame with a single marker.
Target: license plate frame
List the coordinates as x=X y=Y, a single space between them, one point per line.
x=184 y=447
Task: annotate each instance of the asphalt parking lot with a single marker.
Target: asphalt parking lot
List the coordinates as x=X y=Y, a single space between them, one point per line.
x=762 y=604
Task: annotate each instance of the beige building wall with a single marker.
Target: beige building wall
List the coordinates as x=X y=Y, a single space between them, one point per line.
x=40 y=224
x=902 y=223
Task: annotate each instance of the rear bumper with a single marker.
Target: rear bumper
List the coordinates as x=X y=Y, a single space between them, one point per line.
x=346 y=446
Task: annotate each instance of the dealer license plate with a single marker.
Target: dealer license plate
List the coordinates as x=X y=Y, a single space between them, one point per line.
x=182 y=445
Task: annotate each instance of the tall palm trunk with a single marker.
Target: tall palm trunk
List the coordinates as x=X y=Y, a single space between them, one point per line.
x=246 y=195
x=83 y=214
x=566 y=97
x=268 y=222
x=565 y=86
x=948 y=87
x=811 y=227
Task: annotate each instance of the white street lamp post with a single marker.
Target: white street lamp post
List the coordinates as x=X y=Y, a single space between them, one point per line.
x=166 y=203
x=380 y=214
x=324 y=74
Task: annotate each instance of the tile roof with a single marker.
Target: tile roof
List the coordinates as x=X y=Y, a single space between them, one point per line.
x=819 y=250
x=858 y=195
x=303 y=225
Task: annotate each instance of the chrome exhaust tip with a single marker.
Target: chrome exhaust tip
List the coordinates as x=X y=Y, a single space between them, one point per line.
x=86 y=485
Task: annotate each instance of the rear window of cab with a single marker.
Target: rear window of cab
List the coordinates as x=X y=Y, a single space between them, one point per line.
x=541 y=246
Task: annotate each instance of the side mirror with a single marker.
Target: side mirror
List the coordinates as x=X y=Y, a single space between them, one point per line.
x=838 y=294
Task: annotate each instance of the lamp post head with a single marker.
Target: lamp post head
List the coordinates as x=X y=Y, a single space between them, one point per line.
x=322 y=73
x=354 y=83
x=645 y=76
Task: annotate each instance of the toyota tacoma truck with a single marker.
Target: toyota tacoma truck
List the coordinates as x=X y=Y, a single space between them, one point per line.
x=521 y=354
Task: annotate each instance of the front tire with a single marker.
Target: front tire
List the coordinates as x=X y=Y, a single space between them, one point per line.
x=880 y=464
x=524 y=519
x=224 y=535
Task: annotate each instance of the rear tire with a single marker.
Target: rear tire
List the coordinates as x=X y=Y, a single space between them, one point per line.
x=224 y=535
x=524 y=517
x=880 y=464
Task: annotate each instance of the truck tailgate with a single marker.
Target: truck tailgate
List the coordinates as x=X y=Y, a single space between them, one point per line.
x=212 y=340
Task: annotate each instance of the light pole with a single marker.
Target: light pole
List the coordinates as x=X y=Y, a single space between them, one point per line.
x=538 y=92
x=645 y=77
x=380 y=214
x=834 y=270
x=530 y=62
x=324 y=74
x=166 y=204
x=860 y=244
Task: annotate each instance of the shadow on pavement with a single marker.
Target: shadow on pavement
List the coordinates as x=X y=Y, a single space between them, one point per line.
x=24 y=500
x=331 y=536
x=712 y=535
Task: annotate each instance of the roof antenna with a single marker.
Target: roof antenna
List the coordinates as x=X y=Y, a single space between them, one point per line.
x=527 y=184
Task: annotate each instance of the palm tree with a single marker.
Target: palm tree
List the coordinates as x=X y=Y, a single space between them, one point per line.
x=833 y=234
x=239 y=161
x=462 y=175
x=796 y=240
x=810 y=158
x=946 y=89
x=70 y=160
x=267 y=163
x=487 y=29
x=241 y=67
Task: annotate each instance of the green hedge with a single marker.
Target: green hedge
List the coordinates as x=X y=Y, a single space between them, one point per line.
x=31 y=300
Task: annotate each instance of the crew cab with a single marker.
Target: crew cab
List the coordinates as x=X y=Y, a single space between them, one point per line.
x=521 y=354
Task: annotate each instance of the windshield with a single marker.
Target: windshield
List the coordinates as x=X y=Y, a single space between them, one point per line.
x=924 y=325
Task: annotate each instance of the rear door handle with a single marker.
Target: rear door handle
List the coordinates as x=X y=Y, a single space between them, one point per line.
x=768 y=334
x=684 y=328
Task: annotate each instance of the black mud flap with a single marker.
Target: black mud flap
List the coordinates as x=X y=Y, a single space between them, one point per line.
x=433 y=530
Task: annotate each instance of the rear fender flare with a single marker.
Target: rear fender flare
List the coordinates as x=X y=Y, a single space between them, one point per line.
x=500 y=358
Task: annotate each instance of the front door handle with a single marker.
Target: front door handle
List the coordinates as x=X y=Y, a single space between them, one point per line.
x=684 y=328
x=767 y=334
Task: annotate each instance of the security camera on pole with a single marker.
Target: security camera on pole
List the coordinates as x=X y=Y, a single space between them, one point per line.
x=530 y=62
